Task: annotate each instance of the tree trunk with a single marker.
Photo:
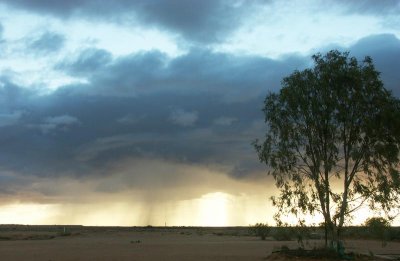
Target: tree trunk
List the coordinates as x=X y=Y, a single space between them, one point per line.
x=333 y=235
x=326 y=234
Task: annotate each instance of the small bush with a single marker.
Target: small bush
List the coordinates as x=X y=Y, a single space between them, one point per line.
x=261 y=230
x=283 y=233
x=378 y=228
x=394 y=234
x=377 y=222
x=302 y=234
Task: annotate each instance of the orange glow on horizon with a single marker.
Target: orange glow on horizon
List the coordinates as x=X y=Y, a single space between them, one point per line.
x=211 y=209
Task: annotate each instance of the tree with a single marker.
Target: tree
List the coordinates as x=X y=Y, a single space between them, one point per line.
x=377 y=222
x=378 y=227
x=332 y=141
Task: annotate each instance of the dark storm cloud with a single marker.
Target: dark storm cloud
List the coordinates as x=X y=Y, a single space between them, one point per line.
x=55 y=123
x=10 y=118
x=201 y=109
x=129 y=75
x=201 y=21
x=47 y=42
x=80 y=135
x=62 y=9
x=13 y=96
x=380 y=7
x=86 y=63
x=236 y=78
x=385 y=52
x=197 y=108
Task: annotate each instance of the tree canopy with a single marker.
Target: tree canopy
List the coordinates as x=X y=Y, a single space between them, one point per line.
x=333 y=140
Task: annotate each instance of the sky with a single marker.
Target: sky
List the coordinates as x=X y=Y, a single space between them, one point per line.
x=143 y=112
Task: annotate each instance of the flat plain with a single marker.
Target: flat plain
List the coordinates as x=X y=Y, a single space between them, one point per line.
x=152 y=243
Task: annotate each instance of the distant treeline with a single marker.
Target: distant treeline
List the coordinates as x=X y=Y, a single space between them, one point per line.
x=271 y=233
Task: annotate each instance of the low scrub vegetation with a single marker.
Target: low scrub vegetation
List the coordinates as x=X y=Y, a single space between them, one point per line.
x=261 y=230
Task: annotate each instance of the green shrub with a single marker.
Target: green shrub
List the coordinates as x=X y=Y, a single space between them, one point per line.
x=261 y=230
x=284 y=233
x=378 y=228
x=377 y=222
x=394 y=234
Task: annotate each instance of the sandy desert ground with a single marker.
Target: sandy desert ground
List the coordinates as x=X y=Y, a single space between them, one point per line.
x=102 y=243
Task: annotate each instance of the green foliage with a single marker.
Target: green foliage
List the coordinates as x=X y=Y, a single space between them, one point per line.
x=303 y=233
x=333 y=123
x=394 y=234
x=261 y=230
x=377 y=222
x=283 y=233
x=378 y=228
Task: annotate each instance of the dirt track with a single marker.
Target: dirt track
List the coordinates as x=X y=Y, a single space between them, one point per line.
x=155 y=245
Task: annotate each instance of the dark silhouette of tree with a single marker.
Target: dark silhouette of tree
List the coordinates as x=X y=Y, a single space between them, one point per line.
x=378 y=228
x=332 y=141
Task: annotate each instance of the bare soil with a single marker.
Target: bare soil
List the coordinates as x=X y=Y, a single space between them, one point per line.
x=113 y=243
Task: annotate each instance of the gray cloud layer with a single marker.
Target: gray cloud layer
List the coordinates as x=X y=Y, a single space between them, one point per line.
x=200 y=21
x=382 y=7
x=47 y=43
x=237 y=79
x=385 y=50
x=206 y=21
x=199 y=109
